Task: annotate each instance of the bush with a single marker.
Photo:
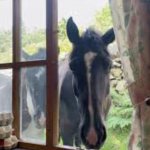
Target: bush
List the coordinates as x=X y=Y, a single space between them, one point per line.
x=120 y=115
x=103 y=19
x=63 y=42
x=116 y=140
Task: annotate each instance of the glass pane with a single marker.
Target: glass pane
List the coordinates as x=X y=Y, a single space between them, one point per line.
x=33 y=104
x=5 y=31
x=33 y=29
x=5 y=90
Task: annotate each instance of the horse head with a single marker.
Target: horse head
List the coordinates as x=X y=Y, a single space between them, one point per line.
x=90 y=64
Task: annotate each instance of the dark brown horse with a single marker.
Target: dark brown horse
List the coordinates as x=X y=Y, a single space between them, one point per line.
x=88 y=78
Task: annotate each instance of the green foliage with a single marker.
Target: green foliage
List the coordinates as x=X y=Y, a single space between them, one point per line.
x=103 y=19
x=32 y=41
x=5 y=46
x=120 y=116
x=116 y=140
x=63 y=42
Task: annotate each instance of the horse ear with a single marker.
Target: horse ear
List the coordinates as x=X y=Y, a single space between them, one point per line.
x=109 y=36
x=72 y=31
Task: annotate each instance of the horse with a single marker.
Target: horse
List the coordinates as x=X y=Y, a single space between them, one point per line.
x=83 y=88
x=90 y=65
x=34 y=81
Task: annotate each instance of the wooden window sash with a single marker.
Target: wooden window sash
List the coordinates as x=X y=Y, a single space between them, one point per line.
x=16 y=48
x=51 y=64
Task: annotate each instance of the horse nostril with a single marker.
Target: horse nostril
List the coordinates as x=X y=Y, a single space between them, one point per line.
x=93 y=138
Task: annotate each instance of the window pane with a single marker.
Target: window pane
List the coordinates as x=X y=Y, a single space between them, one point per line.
x=6 y=90
x=33 y=100
x=33 y=28
x=5 y=31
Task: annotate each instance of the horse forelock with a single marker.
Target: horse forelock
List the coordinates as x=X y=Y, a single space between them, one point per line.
x=90 y=40
x=92 y=34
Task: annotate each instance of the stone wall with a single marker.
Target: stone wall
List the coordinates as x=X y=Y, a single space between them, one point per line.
x=117 y=76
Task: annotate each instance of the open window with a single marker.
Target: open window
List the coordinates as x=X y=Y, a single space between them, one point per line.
x=19 y=28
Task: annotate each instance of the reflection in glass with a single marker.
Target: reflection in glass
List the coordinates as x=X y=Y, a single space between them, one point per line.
x=5 y=31
x=33 y=28
x=5 y=90
x=33 y=100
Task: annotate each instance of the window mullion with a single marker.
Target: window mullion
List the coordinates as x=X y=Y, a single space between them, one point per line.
x=52 y=89
x=16 y=57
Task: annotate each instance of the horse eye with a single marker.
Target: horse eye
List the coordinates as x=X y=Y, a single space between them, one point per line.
x=75 y=90
x=72 y=65
x=75 y=64
x=107 y=65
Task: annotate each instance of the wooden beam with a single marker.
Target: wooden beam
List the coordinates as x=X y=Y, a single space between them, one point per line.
x=52 y=74
x=16 y=57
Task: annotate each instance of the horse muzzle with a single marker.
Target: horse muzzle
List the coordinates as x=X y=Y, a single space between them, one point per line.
x=93 y=137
